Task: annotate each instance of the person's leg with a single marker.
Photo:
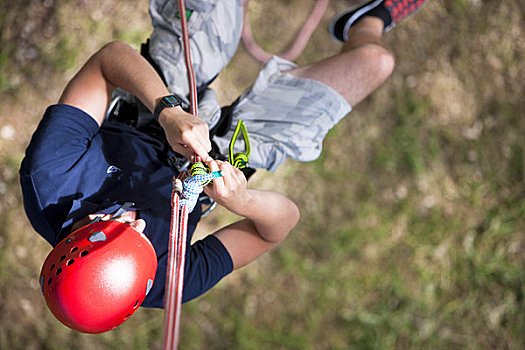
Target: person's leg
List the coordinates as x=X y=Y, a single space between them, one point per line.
x=363 y=64
x=289 y=109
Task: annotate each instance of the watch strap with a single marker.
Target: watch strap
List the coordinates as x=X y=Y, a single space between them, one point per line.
x=166 y=102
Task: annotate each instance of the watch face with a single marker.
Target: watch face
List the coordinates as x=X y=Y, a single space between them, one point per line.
x=171 y=100
x=165 y=102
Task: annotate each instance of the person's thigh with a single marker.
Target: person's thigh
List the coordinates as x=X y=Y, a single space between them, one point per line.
x=285 y=116
x=214 y=28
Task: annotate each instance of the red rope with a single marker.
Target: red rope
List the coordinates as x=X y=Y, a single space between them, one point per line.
x=179 y=220
x=171 y=313
x=187 y=56
x=300 y=41
x=179 y=214
x=175 y=270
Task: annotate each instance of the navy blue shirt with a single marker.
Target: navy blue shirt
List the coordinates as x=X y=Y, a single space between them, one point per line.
x=73 y=168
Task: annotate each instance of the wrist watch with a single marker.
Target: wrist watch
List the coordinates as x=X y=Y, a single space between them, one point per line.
x=165 y=102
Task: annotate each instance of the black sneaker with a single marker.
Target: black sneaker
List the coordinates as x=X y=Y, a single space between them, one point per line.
x=397 y=9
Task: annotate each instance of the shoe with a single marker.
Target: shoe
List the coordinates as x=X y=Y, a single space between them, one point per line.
x=398 y=10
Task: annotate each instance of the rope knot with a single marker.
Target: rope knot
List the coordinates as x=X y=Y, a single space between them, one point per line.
x=193 y=186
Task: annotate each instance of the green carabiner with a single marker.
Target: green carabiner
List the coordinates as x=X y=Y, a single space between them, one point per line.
x=240 y=159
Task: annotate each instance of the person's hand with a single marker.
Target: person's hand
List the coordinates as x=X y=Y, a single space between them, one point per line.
x=230 y=190
x=129 y=217
x=186 y=134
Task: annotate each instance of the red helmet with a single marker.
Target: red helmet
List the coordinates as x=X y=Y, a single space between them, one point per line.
x=98 y=276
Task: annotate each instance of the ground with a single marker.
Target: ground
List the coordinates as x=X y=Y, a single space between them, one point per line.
x=413 y=218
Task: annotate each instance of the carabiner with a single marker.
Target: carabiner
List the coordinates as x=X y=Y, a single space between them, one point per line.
x=240 y=159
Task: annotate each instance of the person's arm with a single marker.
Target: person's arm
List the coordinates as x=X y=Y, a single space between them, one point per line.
x=119 y=65
x=269 y=216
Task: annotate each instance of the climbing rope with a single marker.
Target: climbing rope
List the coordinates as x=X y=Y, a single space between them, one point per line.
x=187 y=57
x=182 y=202
x=300 y=41
x=185 y=194
x=183 y=199
x=175 y=269
x=192 y=187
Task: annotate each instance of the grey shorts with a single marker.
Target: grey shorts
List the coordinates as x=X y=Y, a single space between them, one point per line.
x=285 y=116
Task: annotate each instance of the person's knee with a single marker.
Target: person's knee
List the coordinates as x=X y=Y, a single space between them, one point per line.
x=388 y=63
x=381 y=59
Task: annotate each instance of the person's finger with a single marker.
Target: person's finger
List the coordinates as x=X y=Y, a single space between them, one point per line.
x=239 y=174
x=190 y=150
x=92 y=217
x=139 y=225
x=201 y=151
x=186 y=152
x=208 y=189
x=197 y=137
x=200 y=148
x=205 y=139
x=228 y=174
x=218 y=183
x=212 y=164
x=204 y=144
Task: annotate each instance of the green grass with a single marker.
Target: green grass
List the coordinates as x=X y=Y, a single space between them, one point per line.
x=4 y=82
x=413 y=217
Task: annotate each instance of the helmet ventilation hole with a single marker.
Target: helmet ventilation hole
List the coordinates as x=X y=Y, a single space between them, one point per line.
x=52 y=267
x=62 y=258
x=68 y=240
x=70 y=262
x=136 y=304
x=74 y=249
x=127 y=316
x=59 y=271
x=49 y=280
x=84 y=253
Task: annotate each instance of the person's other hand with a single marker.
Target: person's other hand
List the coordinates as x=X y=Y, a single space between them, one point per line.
x=129 y=217
x=230 y=190
x=186 y=134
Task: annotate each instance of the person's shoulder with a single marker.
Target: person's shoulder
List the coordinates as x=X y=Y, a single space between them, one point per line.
x=67 y=113
x=62 y=134
x=59 y=118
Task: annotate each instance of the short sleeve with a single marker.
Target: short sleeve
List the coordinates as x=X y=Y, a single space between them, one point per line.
x=208 y=262
x=62 y=136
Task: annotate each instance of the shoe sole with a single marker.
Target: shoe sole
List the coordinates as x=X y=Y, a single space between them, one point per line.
x=359 y=11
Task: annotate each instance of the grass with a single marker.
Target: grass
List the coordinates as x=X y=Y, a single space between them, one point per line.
x=413 y=217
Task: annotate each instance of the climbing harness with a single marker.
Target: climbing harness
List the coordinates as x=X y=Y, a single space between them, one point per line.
x=300 y=41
